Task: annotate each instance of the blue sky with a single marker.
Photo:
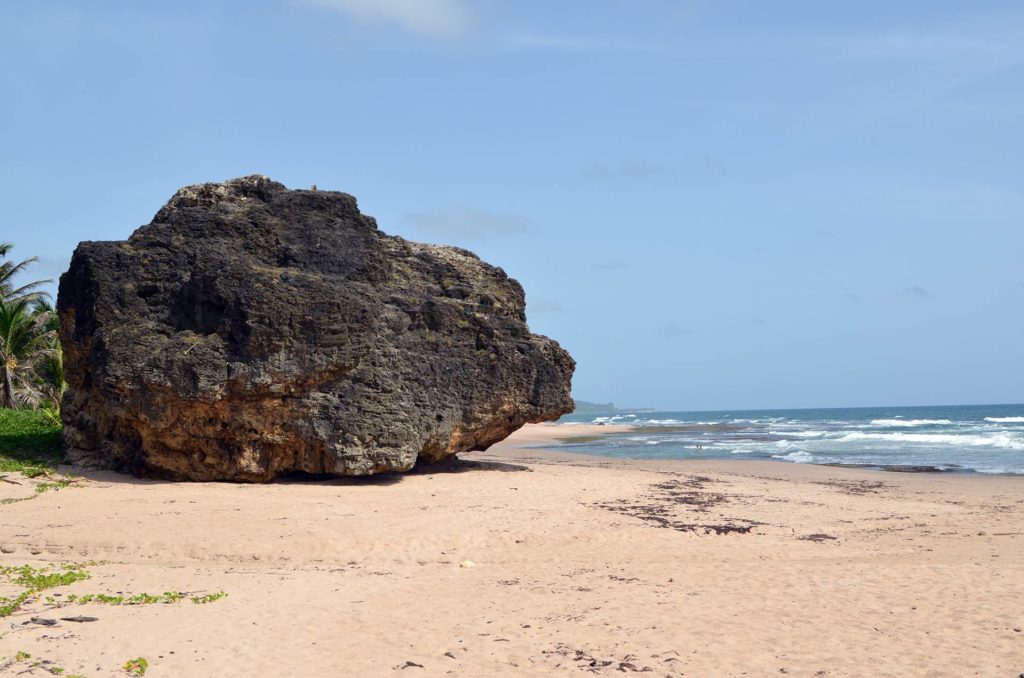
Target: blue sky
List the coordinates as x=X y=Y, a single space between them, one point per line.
x=711 y=204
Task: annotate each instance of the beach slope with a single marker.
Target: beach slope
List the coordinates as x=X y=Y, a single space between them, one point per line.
x=521 y=561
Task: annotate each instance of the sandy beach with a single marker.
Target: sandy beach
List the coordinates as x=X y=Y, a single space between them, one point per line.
x=522 y=561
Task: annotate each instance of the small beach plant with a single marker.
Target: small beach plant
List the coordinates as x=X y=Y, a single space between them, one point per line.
x=136 y=667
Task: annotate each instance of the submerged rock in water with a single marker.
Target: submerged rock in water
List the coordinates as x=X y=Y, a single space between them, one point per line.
x=251 y=330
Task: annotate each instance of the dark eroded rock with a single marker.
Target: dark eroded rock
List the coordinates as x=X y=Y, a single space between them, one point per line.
x=251 y=330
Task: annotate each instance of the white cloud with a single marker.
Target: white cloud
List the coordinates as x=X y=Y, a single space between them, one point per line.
x=437 y=19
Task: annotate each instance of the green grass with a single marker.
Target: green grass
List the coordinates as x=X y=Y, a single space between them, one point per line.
x=30 y=442
x=60 y=484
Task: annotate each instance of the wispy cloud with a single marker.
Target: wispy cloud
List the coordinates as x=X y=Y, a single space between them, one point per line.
x=756 y=322
x=466 y=222
x=929 y=47
x=554 y=42
x=633 y=170
x=916 y=291
x=436 y=19
x=713 y=165
x=979 y=39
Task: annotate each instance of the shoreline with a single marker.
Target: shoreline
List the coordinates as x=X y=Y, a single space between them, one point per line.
x=539 y=435
x=523 y=561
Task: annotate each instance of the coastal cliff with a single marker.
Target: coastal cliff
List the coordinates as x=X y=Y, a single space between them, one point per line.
x=251 y=330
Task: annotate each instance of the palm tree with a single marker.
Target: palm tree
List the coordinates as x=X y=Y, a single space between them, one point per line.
x=26 y=340
x=50 y=365
x=9 y=269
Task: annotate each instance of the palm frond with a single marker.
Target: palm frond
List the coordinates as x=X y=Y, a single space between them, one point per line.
x=10 y=269
x=31 y=361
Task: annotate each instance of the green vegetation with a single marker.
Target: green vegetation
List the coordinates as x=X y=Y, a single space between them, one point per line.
x=143 y=598
x=33 y=580
x=9 y=270
x=56 y=485
x=30 y=442
x=26 y=343
x=44 y=664
x=208 y=598
x=136 y=667
x=605 y=409
x=9 y=606
x=31 y=359
x=39 y=579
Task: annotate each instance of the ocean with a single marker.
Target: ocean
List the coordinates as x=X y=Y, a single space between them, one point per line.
x=959 y=439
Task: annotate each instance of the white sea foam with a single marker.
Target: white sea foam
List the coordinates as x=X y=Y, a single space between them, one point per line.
x=807 y=434
x=799 y=457
x=612 y=419
x=967 y=442
x=1004 y=440
x=909 y=422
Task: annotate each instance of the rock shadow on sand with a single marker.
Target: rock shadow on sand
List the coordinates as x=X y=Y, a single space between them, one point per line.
x=97 y=473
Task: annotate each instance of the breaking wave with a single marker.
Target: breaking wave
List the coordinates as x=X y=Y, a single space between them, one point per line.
x=1005 y=440
x=911 y=422
x=962 y=439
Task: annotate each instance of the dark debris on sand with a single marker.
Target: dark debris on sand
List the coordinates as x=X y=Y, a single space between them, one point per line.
x=586 y=661
x=817 y=537
x=856 y=486
x=661 y=507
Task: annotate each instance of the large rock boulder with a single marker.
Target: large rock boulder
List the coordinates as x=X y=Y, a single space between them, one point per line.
x=251 y=330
